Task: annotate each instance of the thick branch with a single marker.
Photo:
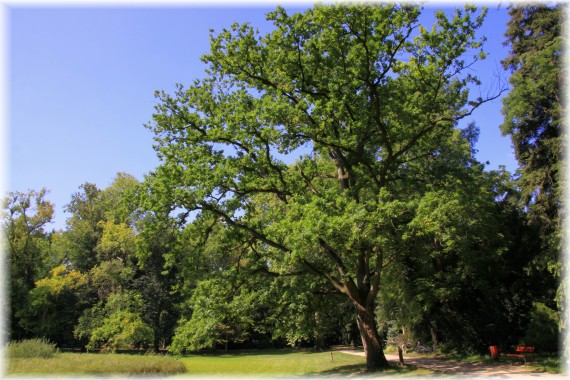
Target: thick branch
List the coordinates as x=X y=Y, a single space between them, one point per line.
x=253 y=232
x=333 y=254
x=375 y=281
x=333 y=280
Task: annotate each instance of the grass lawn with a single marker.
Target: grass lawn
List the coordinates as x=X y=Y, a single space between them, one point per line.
x=269 y=363
x=546 y=363
x=95 y=364
x=246 y=363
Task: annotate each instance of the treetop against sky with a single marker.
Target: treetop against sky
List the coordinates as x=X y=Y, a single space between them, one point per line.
x=81 y=85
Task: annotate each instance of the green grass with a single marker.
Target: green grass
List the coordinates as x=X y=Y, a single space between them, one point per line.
x=95 y=364
x=545 y=363
x=473 y=358
x=246 y=363
x=285 y=363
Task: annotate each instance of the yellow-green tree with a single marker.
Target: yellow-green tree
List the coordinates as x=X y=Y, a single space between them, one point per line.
x=54 y=304
x=24 y=218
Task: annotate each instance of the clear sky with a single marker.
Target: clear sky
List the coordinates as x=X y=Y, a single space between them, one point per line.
x=81 y=85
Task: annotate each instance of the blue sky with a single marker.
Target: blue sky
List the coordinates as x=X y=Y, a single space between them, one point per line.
x=81 y=85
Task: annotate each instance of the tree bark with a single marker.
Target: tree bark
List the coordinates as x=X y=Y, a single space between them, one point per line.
x=401 y=355
x=361 y=291
x=156 y=344
x=226 y=343
x=371 y=342
x=433 y=338
x=354 y=333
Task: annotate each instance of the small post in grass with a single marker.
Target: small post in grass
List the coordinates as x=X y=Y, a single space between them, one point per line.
x=332 y=359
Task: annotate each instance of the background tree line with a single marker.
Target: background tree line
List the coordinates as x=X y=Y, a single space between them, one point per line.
x=389 y=228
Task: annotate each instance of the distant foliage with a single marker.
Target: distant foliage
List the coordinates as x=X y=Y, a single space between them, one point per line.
x=31 y=348
x=116 y=324
x=220 y=314
x=123 y=329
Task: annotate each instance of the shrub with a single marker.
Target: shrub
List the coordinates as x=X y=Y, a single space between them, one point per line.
x=121 y=330
x=542 y=331
x=31 y=348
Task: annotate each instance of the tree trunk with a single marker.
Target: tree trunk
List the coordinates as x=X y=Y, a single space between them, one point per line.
x=433 y=338
x=354 y=334
x=157 y=334
x=156 y=345
x=401 y=355
x=375 y=358
x=319 y=335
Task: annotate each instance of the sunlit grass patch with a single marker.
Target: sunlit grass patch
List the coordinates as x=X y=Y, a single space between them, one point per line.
x=546 y=363
x=266 y=363
x=246 y=363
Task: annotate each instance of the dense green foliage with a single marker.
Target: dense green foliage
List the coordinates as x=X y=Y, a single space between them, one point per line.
x=23 y=217
x=533 y=119
x=313 y=189
x=542 y=330
x=533 y=113
x=533 y=110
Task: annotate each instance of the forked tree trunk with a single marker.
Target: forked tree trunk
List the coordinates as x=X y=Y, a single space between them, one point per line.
x=371 y=341
x=361 y=291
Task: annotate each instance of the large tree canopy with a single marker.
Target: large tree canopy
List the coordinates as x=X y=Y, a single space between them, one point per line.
x=369 y=101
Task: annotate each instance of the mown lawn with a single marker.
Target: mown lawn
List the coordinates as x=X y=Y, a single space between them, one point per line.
x=246 y=363
x=269 y=363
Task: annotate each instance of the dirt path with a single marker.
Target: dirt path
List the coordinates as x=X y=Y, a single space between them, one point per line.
x=471 y=370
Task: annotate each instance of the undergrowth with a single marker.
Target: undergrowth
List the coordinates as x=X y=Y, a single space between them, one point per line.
x=31 y=348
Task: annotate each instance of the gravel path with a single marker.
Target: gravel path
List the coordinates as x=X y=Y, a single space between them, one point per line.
x=470 y=370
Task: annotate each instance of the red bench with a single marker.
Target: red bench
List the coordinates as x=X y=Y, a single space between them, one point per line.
x=521 y=352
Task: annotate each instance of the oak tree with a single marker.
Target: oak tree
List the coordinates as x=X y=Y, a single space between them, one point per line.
x=363 y=95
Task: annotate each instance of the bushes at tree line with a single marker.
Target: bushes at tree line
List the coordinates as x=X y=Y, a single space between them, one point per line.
x=31 y=348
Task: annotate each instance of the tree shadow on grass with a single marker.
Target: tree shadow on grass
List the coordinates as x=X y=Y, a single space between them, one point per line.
x=360 y=371
x=343 y=370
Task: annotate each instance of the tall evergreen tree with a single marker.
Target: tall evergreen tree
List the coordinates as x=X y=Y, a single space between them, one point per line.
x=533 y=113
x=533 y=119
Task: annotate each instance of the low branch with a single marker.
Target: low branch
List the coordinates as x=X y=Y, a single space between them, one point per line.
x=333 y=254
x=375 y=281
x=333 y=280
